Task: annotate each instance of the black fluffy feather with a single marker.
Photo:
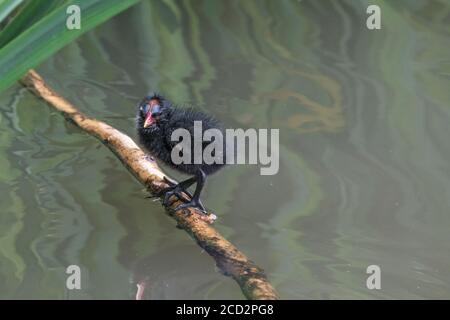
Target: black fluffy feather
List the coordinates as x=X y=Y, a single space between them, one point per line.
x=157 y=137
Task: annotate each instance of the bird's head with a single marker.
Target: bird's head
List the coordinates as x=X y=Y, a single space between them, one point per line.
x=151 y=108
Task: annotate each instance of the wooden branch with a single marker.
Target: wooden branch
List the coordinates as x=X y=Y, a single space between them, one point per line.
x=229 y=259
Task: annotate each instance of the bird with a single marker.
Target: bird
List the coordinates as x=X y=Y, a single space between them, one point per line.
x=157 y=119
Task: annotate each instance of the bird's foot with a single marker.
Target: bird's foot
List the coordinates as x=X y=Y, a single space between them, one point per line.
x=173 y=190
x=169 y=182
x=194 y=203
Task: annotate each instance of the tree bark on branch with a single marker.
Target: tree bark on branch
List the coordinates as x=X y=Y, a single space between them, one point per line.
x=228 y=258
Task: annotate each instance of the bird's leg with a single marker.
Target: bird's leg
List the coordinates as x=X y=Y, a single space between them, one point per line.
x=195 y=200
x=176 y=189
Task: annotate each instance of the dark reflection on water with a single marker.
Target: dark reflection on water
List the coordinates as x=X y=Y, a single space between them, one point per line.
x=364 y=173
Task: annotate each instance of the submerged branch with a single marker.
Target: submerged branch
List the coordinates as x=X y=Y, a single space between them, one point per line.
x=229 y=259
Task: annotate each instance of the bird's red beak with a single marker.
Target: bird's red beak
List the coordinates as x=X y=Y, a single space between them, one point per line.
x=148 y=119
x=154 y=108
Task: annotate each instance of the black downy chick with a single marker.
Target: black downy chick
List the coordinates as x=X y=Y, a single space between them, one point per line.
x=157 y=118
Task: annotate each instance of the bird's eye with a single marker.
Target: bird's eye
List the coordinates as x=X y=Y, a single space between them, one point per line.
x=156 y=108
x=144 y=108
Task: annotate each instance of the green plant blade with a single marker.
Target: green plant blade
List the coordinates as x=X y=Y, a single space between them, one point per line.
x=31 y=12
x=7 y=6
x=50 y=34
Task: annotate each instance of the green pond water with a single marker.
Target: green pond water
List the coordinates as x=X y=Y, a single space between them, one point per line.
x=364 y=119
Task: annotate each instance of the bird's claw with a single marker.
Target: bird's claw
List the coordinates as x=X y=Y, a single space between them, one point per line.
x=173 y=186
x=173 y=190
x=194 y=203
x=170 y=193
x=169 y=182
